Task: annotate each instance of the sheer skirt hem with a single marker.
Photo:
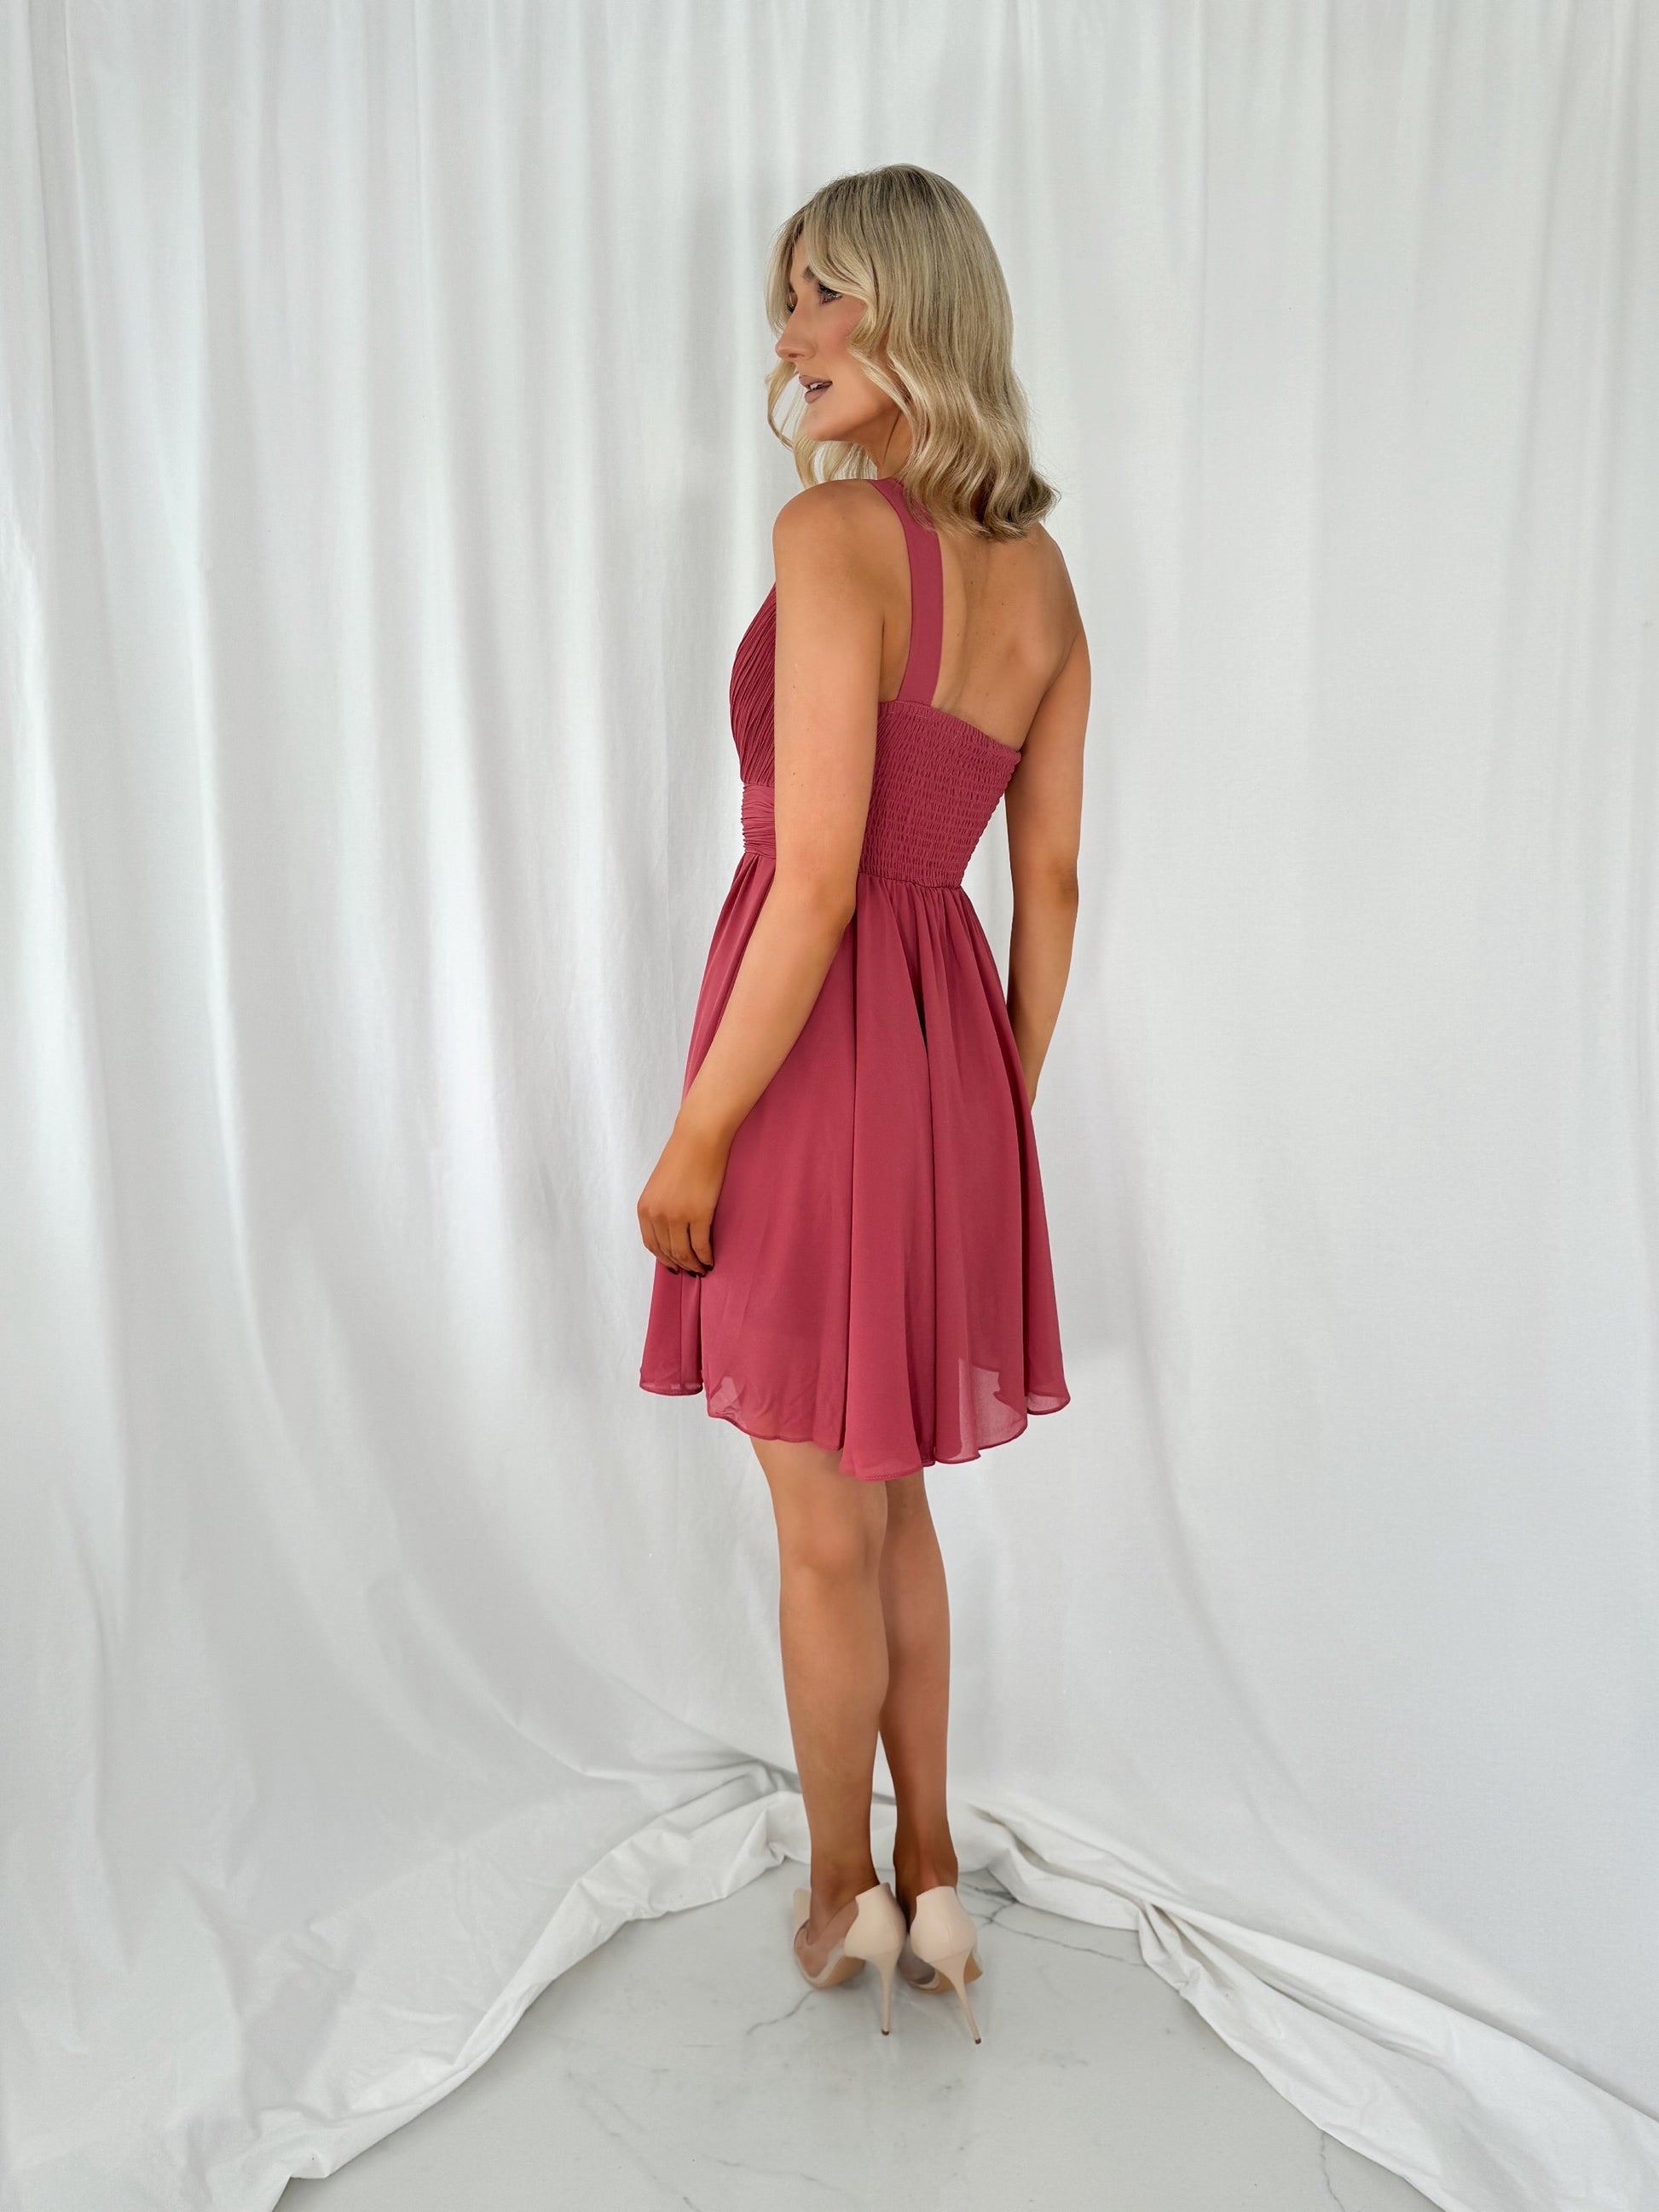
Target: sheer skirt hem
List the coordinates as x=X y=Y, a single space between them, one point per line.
x=1040 y=1401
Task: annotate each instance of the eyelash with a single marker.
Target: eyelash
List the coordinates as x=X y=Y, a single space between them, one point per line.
x=824 y=294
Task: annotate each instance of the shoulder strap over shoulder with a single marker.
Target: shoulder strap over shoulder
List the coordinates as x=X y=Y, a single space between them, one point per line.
x=926 y=596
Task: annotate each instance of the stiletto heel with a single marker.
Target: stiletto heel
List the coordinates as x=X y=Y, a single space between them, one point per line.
x=876 y=1932
x=953 y=1970
x=944 y=1935
x=879 y=1934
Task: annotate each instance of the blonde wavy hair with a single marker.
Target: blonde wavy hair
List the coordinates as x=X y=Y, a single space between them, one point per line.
x=936 y=336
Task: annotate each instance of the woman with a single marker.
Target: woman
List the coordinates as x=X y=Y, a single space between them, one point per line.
x=852 y=1253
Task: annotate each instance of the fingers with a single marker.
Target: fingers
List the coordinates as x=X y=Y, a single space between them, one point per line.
x=693 y=1254
x=686 y=1247
x=654 y=1234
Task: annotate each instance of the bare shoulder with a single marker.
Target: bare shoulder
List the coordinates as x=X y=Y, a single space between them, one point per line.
x=1056 y=586
x=1052 y=559
x=832 y=520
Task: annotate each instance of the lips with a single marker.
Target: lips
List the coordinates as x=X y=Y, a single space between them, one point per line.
x=813 y=386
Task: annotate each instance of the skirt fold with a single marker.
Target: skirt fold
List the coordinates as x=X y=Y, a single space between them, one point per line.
x=881 y=1282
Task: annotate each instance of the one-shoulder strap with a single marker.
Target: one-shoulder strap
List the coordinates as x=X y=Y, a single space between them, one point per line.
x=926 y=596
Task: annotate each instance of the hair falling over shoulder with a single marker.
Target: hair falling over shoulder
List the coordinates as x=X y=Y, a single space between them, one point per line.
x=936 y=335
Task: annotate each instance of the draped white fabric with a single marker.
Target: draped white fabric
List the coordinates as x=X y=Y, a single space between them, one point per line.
x=386 y=487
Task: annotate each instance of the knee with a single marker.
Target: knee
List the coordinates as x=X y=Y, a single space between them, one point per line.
x=834 y=1552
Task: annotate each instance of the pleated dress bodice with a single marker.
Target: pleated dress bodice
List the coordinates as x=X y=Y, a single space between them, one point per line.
x=937 y=778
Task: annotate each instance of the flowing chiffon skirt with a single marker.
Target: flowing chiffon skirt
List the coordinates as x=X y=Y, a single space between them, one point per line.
x=881 y=1282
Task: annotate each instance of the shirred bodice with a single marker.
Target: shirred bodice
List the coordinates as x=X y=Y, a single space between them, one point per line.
x=937 y=778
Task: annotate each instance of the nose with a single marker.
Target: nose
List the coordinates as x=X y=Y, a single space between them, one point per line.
x=789 y=345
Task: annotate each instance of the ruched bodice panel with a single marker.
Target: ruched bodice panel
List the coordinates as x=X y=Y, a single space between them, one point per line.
x=934 y=788
x=751 y=692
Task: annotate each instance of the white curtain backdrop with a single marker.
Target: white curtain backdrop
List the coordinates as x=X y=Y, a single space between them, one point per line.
x=384 y=489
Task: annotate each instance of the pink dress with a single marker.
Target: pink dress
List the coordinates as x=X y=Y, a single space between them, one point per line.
x=881 y=1281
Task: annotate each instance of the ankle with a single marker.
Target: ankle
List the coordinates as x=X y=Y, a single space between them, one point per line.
x=918 y=1866
x=832 y=1887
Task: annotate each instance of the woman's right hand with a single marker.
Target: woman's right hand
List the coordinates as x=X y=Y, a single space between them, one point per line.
x=676 y=1208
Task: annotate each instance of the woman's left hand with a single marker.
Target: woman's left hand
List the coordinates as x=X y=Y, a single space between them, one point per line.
x=677 y=1206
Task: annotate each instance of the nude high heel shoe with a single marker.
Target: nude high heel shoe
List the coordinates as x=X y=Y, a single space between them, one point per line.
x=876 y=1932
x=942 y=1941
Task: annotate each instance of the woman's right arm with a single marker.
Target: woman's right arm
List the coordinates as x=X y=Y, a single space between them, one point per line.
x=1043 y=807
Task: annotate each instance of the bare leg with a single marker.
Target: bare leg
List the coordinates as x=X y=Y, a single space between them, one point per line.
x=831 y=1527
x=915 y=1607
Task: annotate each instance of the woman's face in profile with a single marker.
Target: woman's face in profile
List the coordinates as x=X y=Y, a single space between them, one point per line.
x=840 y=401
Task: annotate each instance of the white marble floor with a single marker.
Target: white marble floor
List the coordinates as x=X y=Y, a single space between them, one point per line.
x=686 y=2065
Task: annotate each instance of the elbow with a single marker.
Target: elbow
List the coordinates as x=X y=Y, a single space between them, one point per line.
x=823 y=901
x=1048 y=883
